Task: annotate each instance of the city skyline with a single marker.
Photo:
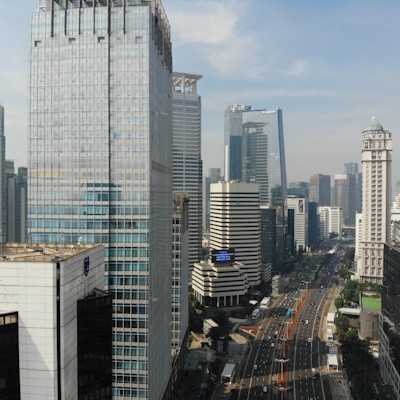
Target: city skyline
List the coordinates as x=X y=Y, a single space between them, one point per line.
x=330 y=67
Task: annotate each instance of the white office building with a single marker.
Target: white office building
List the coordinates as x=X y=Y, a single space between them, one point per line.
x=330 y=221
x=235 y=223
x=298 y=209
x=376 y=201
x=64 y=320
x=187 y=163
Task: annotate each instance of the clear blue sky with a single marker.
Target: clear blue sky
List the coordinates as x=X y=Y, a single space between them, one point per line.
x=330 y=66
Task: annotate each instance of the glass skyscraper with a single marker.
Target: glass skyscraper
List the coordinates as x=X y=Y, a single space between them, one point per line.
x=100 y=164
x=255 y=152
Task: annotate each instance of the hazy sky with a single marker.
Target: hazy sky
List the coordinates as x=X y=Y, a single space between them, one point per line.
x=330 y=66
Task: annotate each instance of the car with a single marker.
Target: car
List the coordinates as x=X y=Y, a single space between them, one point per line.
x=272 y=344
x=255 y=367
x=329 y=344
x=265 y=389
x=306 y=321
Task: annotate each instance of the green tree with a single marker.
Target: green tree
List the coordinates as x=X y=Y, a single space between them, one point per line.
x=339 y=303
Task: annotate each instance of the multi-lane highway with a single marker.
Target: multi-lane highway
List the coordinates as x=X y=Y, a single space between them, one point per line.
x=285 y=358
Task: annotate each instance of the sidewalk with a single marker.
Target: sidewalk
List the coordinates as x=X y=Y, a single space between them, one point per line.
x=333 y=380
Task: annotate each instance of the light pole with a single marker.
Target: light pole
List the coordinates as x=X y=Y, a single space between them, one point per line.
x=307 y=282
x=281 y=361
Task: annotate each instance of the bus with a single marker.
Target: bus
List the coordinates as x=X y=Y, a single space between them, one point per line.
x=228 y=373
x=256 y=314
x=265 y=303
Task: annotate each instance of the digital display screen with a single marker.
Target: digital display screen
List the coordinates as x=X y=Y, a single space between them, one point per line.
x=223 y=256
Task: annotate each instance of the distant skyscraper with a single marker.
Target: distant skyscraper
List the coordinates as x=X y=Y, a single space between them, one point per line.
x=345 y=197
x=16 y=202
x=235 y=223
x=3 y=218
x=187 y=164
x=352 y=168
x=256 y=153
x=233 y=141
x=100 y=164
x=214 y=176
x=376 y=203
x=320 y=189
x=298 y=209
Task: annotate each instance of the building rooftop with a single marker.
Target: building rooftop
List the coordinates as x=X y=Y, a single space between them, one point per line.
x=371 y=303
x=374 y=125
x=41 y=252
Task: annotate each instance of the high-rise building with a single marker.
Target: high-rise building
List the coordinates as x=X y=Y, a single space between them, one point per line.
x=186 y=160
x=3 y=217
x=389 y=321
x=345 y=197
x=16 y=202
x=376 y=201
x=100 y=164
x=298 y=222
x=351 y=168
x=255 y=153
x=233 y=138
x=330 y=221
x=63 y=319
x=235 y=223
x=320 y=189
x=214 y=176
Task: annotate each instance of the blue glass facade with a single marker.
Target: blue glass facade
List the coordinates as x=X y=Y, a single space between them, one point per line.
x=100 y=164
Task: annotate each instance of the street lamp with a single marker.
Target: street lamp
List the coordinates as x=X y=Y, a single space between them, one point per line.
x=281 y=361
x=307 y=282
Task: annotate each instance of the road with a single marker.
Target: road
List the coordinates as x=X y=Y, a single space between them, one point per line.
x=288 y=348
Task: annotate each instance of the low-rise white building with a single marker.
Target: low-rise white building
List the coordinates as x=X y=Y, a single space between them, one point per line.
x=220 y=281
x=63 y=317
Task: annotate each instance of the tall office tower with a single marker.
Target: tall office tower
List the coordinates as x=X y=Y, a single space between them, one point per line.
x=345 y=197
x=389 y=321
x=320 y=189
x=233 y=138
x=3 y=217
x=63 y=320
x=235 y=223
x=351 y=168
x=21 y=204
x=256 y=153
x=214 y=176
x=187 y=169
x=16 y=202
x=298 y=188
x=313 y=223
x=330 y=222
x=100 y=164
x=268 y=236
x=377 y=173
x=298 y=222
x=264 y=154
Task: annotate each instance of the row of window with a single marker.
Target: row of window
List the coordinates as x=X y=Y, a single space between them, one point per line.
x=88 y=210
x=88 y=224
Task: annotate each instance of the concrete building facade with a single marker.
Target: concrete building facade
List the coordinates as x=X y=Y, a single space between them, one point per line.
x=376 y=201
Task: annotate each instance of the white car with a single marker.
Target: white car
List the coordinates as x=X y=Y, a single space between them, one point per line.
x=329 y=344
x=265 y=389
